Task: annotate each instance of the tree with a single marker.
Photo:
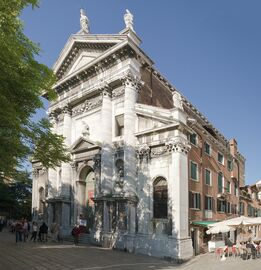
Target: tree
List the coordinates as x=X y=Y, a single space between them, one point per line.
x=16 y=196
x=22 y=81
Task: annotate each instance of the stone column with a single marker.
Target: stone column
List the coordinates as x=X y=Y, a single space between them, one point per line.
x=143 y=209
x=97 y=173
x=74 y=197
x=66 y=168
x=52 y=175
x=66 y=173
x=178 y=197
x=106 y=131
x=132 y=85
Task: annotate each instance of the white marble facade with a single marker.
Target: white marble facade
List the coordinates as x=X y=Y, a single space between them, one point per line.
x=119 y=147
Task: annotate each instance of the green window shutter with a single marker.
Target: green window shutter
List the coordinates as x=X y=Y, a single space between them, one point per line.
x=193 y=171
x=220 y=182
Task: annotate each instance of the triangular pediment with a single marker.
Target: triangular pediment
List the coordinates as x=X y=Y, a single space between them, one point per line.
x=83 y=144
x=83 y=59
x=151 y=117
x=80 y=50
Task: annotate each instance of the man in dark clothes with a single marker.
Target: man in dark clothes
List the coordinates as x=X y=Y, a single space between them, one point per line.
x=43 y=230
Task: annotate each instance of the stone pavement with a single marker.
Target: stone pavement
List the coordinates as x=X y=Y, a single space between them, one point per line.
x=45 y=256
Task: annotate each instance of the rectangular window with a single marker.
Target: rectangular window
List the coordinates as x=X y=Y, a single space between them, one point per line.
x=220 y=183
x=220 y=158
x=228 y=208
x=207 y=149
x=208 y=177
x=194 y=200
x=193 y=138
x=193 y=170
x=208 y=203
x=228 y=187
x=221 y=206
x=234 y=209
x=119 y=125
x=241 y=208
x=229 y=165
x=235 y=189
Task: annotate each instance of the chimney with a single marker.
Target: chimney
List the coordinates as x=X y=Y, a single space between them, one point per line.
x=233 y=147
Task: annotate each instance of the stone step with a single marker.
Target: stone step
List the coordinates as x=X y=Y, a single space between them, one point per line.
x=84 y=238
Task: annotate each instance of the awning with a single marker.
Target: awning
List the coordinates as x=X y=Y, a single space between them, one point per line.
x=203 y=223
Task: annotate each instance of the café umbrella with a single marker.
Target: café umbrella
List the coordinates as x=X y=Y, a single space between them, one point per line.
x=220 y=228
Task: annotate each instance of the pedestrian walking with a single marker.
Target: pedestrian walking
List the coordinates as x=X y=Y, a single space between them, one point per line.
x=25 y=230
x=18 y=231
x=43 y=230
x=75 y=233
x=34 y=231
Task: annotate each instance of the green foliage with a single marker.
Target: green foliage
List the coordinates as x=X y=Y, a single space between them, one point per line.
x=22 y=81
x=16 y=196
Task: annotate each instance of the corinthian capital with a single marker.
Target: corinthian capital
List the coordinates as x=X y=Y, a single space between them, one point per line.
x=143 y=150
x=67 y=109
x=178 y=144
x=53 y=117
x=131 y=80
x=105 y=89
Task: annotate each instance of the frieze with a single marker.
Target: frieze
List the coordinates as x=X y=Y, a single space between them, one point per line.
x=158 y=151
x=118 y=92
x=87 y=105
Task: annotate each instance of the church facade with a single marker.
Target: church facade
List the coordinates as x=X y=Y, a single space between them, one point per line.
x=127 y=129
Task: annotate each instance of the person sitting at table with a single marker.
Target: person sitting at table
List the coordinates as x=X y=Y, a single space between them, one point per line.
x=251 y=250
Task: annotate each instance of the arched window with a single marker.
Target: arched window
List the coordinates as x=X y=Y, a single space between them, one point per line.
x=160 y=198
x=41 y=200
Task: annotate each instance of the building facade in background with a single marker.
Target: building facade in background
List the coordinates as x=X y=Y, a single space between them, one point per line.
x=146 y=164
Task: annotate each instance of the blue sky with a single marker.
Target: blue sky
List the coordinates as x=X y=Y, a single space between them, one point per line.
x=209 y=49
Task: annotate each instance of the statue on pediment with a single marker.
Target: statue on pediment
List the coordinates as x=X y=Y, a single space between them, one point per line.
x=84 y=21
x=177 y=100
x=128 y=19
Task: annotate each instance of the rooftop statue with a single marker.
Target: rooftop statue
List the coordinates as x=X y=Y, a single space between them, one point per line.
x=177 y=100
x=84 y=21
x=128 y=19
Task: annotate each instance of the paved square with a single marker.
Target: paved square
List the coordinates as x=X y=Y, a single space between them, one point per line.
x=65 y=256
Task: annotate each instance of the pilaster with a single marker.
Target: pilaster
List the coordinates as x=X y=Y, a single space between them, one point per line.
x=178 y=173
x=66 y=168
x=132 y=85
x=143 y=207
x=106 y=131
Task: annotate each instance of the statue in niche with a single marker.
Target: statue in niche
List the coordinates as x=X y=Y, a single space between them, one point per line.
x=119 y=182
x=177 y=100
x=85 y=130
x=84 y=21
x=128 y=19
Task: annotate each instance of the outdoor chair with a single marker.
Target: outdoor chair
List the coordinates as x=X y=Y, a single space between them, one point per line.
x=235 y=252
x=258 y=251
x=229 y=251
x=219 y=253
